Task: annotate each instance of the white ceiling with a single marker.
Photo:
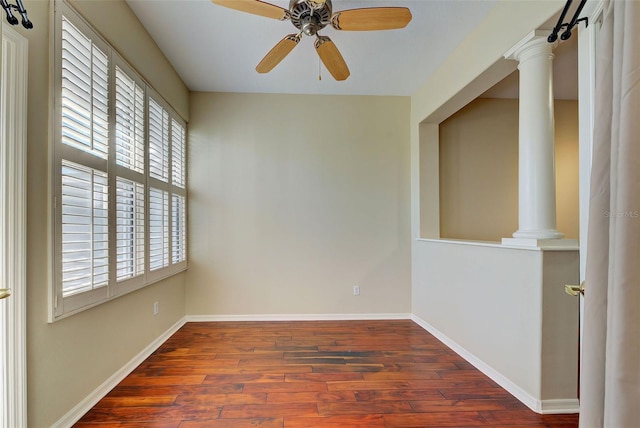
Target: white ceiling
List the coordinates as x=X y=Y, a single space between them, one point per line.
x=214 y=48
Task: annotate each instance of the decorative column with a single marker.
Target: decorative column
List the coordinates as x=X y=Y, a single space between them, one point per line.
x=536 y=173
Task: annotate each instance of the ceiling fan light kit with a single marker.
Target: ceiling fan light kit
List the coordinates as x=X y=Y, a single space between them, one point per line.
x=311 y=16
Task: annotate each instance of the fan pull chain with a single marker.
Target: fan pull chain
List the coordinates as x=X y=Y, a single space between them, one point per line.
x=319 y=70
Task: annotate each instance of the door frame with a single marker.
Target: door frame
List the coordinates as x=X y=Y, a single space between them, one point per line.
x=13 y=157
x=587 y=41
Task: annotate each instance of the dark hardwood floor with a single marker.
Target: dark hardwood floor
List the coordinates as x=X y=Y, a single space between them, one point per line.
x=307 y=375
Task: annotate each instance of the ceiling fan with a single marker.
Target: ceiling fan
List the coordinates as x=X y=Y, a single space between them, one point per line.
x=311 y=16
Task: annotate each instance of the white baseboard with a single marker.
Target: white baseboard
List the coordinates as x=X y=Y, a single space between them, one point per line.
x=297 y=317
x=550 y=407
x=73 y=415
x=538 y=406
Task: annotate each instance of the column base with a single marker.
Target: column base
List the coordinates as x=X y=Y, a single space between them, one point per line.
x=541 y=243
x=538 y=234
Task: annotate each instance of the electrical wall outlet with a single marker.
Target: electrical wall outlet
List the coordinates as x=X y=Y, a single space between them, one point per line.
x=356 y=290
x=155 y=308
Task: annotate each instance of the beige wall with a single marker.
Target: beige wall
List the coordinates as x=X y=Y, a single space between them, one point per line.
x=507 y=308
x=479 y=170
x=294 y=199
x=70 y=358
x=567 y=168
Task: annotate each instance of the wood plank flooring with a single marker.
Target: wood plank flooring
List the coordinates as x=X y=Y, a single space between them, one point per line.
x=310 y=374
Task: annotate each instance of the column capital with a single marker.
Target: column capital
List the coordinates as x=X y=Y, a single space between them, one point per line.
x=534 y=43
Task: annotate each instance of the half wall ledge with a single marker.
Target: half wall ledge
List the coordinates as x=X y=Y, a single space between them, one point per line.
x=515 y=243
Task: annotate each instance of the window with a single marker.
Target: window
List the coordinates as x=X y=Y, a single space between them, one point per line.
x=167 y=190
x=119 y=175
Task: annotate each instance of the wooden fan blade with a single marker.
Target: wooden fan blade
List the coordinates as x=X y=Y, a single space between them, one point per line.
x=316 y=4
x=256 y=7
x=331 y=58
x=374 y=18
x=278 y=53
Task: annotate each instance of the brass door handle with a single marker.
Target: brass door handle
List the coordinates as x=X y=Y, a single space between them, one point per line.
x=574 y=290
x=4 y=293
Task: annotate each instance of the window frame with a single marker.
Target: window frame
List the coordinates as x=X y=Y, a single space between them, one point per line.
x=62 y=305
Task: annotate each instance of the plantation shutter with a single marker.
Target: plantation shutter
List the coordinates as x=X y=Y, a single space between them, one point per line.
x=158 y=141
x=158 y=229
x=130 y=228
x=85 y=238
x=130 y=179
x=85 y=71
x=129 y=122
x=178 y=229
x=84 y=194
x=178 y=199
x=178 y=143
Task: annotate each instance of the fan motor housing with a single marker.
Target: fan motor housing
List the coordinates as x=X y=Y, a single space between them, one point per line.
x=309 y=16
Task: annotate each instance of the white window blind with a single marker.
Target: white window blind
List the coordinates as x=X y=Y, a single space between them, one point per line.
x=178 y=229
x=178 y=149
x=119 y=174
x=158 y=229
x=129 y=136
x=130 y=228
x=85 y=100
x=85 y=241
x=158 y=141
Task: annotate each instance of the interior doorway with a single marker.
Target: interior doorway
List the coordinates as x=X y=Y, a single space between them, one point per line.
x=13 y=121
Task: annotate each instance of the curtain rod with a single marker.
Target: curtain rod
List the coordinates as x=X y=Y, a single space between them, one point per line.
x=568 y=26
x=21 y=10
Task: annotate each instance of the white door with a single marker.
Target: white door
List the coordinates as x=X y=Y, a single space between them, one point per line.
x=13 y=114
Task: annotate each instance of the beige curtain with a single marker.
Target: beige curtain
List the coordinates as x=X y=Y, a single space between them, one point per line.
x=610 y=378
